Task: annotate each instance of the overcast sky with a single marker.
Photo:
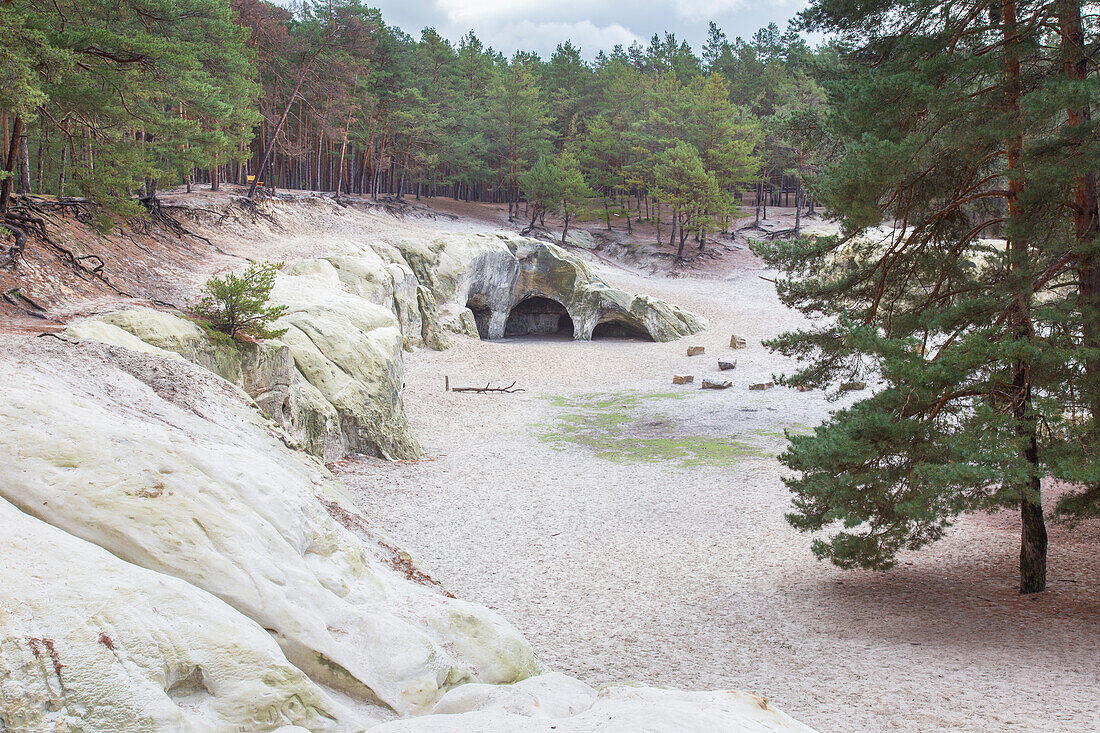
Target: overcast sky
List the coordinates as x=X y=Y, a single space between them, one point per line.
x=540 y=25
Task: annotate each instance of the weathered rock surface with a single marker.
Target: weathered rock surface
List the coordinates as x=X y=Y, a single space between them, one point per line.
x=477 y=279
x=172 y=469
x=716 y=384
x=333 y=381
x=683 y=378
x=558 y=703
x=93 y=643
x=170 y=563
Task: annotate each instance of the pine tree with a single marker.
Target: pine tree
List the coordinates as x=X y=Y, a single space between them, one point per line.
x=690 y=190
x=944 y=135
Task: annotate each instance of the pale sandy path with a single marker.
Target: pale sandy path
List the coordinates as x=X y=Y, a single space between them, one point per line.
x=691 y=577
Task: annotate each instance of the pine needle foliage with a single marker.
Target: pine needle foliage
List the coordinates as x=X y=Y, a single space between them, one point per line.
x=948 y=122
x=236 y=305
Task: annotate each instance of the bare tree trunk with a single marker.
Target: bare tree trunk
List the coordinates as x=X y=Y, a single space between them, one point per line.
x=42 y=147
x=9 y=164
x=798 y=197
x=24 y=164
x=1086 y=218
x=343 y=151
x=64 y=167
x=1033 y=534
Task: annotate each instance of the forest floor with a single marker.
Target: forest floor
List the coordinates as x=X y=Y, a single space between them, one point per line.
x=634 y=529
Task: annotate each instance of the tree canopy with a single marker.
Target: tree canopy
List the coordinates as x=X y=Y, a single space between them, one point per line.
x=114 y=100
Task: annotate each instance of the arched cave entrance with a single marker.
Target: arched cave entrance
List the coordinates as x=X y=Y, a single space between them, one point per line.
x=614 y=329
x=479 y=306
x=536 y=316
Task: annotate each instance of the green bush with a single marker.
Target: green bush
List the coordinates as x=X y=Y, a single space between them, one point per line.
x=237 y=304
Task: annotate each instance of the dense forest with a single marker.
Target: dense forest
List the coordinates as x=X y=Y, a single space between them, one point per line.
x=112 y=99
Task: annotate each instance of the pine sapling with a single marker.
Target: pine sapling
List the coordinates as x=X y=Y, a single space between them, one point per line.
x=237 y=304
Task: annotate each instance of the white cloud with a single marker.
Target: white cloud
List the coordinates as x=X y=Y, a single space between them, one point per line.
x=496 y=11
x=585 y=34
x=708 y=9
x=540 y=25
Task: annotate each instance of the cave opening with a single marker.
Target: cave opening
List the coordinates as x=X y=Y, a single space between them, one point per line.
x=479 y=306
x=537 y=316
x=619 y=330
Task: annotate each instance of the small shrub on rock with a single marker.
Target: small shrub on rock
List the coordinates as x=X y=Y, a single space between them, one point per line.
x=237 y=304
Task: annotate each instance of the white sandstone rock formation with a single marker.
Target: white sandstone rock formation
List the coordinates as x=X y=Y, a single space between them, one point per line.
x=172 y=469
x=93 y=643
x=173 y=561
x=481 y=278
x=564 y=705
x=333 y=381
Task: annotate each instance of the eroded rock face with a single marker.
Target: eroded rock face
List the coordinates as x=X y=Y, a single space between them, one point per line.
x=173 y=470
x=559 y=703
x=333 y=381
x=192 y=570
x=484 y=278
x=93 y=643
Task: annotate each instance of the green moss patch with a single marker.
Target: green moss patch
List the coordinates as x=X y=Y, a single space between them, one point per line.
x=625 y=428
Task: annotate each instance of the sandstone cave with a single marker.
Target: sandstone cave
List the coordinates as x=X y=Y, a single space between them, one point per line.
x=479 y=306
x=614 y=329
x=537 y=316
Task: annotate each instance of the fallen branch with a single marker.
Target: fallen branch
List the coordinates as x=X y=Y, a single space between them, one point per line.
x=510 y=389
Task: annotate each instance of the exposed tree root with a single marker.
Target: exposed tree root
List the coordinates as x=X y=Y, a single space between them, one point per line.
x=250 y=207
x=160 y=216
x=23 y=303
x=51 y=334
x=15 y=250
x=29 y=215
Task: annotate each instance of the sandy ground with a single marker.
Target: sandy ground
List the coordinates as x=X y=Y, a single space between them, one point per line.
x=673 y=573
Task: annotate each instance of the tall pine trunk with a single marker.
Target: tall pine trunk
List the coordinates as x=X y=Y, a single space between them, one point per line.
x=24 y=164
x=1086 y=218
x=1033 y=533
x=9 y=164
